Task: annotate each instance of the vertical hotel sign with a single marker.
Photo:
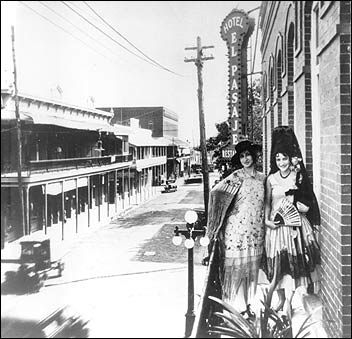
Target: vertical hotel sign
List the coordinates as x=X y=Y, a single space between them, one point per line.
x=235 y=30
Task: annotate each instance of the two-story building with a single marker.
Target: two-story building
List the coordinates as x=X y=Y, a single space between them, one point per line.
x=78 y=170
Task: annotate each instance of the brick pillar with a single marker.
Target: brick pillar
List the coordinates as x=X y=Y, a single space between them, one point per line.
x=290 y=73
x=279 y=88
x=345 y=99
x=308 y=90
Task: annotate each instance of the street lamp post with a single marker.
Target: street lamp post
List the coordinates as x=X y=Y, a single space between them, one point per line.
x=190 y=233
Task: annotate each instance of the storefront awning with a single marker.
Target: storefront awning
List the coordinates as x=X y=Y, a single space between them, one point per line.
x=55 y=188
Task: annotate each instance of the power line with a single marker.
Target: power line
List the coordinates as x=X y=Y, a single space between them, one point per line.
x=81 y=30
x=117 y=32
x=111 y=38
x=65 y=30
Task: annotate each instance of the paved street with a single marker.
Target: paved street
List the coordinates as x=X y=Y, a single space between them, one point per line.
x=127 y=277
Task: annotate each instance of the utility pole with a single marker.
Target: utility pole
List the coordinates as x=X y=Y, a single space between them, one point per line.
x=19 y=142
x=199 y=64
x=250 y=94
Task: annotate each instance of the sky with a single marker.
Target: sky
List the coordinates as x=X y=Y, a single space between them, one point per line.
x=60 y=56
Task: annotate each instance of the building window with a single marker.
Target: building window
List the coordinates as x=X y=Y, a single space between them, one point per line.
x=316 y=22
x=150 y=124
x=296 y=22
x=298 y=26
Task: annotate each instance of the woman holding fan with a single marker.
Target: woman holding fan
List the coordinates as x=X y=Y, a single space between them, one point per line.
x=291 y=252
x=235 y=224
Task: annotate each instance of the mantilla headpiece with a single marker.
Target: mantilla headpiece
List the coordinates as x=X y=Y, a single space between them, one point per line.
x=284 y=141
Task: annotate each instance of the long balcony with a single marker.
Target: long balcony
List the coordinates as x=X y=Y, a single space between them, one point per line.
x=45 y=166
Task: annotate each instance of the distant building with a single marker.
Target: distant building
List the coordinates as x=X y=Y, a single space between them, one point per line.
x=160 y=120
x=164 y=124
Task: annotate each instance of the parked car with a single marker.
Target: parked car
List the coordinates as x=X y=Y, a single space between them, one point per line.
x=170 y=186
x=194 y=178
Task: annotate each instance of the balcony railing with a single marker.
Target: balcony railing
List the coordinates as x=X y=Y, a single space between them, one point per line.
x=65 y=164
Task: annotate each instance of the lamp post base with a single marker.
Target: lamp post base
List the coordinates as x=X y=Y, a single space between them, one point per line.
x=190 y=316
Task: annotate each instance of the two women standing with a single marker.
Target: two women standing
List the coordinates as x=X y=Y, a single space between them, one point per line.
x=243 y=209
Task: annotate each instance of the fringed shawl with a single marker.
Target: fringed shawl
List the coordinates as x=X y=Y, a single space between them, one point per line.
x=220 y=199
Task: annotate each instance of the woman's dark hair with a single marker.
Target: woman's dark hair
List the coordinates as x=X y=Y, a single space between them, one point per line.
x=284 y=141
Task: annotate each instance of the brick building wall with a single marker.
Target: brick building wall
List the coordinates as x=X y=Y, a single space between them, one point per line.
x=315 y=100
x=160 y=120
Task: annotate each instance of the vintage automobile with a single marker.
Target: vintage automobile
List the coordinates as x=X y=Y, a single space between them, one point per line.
x=195 y=177
x=170 y=186
x=34 y=267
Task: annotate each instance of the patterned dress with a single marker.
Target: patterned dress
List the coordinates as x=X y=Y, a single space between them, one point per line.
x=243 y=236
x=294 y=249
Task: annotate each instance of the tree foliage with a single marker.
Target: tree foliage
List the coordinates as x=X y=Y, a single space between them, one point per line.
x=255 y=126
x=222 y=137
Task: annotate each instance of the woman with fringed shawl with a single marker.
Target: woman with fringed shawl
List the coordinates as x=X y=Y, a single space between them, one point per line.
x=235 y=225
x=291 y=253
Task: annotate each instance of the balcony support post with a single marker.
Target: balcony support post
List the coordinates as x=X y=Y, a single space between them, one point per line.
x=129 y=186
x=89 y=199
x=123 y=188
x=62 y=210
x=76 y=205
x=99 y=195
x=27 y=219
x=45 y=208
x=107 y=193
x=115 y=192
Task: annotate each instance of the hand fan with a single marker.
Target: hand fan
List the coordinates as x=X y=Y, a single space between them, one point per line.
x=287 y=214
